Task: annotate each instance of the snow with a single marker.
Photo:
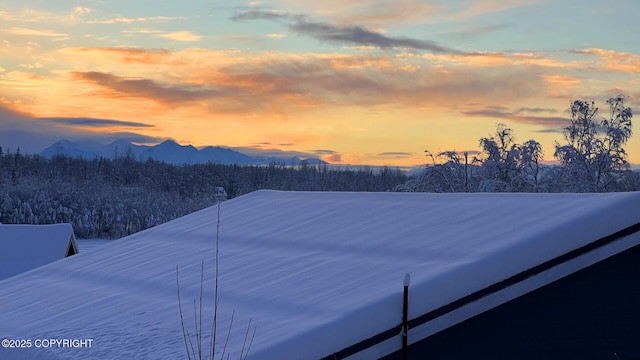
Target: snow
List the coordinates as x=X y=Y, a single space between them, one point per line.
x=86 y=245
x=25 y=247
x=315 y=272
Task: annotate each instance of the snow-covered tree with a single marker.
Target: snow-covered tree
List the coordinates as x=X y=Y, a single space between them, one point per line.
x=449 y=171
x=594 y=150
x=531 y=173
x=508 y=166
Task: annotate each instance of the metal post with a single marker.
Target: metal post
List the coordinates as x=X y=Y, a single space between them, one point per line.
x=405 y=316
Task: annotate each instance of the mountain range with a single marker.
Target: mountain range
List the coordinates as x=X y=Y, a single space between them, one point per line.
x=168 y=151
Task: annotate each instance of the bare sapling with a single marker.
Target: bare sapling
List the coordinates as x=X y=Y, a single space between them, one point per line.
x=197 y=352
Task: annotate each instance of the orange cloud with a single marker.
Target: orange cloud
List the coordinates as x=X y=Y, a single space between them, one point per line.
x=273 y=85
x=126 y=55
x=562 y=82
x=21 y=80
x=117 y=86
x=495 y=59
x=235 y=82
x=333 y=158
x=613 y=60
x=250 y=82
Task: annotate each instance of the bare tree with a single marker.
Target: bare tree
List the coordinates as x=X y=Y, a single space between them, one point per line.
x=198 y=353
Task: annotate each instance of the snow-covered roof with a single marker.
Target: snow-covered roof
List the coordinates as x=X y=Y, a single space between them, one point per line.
x=25 y=247
x=316 y=272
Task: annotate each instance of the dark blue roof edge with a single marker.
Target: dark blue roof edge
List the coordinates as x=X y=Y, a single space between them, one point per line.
x=424 y=318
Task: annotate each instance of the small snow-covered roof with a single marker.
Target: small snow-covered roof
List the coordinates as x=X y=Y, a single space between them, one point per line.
x=315 y=272
x=25 y=247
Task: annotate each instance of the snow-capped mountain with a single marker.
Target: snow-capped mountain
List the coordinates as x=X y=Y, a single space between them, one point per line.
x=168 y=151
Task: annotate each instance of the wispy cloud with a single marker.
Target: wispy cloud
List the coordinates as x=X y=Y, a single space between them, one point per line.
x=36 y=65
x=128 y=20
x=279 y=16
x=535 y=110
x=97 y=123
x=272 y=152
x=495 y=59
x=551 y=122
x=592 y=51
x=330 y=156
x=481 y=7
x=80 y=10
x=32 y=15
x=324 y=152
x=380 y=13
x=181 y=36
x=116 y=20
x=35 y=32
x=357 y=35
x=186 y=36
x=143 y=31
x=348 y=34
x=396 y=154
x=475 y=31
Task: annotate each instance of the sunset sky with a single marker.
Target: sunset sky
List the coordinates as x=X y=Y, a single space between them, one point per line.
x=352 y=82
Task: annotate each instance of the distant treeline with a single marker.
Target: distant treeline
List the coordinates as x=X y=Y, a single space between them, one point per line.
x=111 y=198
